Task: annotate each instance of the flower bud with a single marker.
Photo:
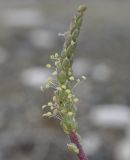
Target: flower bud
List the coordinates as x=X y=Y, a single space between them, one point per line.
x=76 y=100
x=62 y=77
x=48 y=114
x=75 y=34
x=54 y=73
x=82 y=8
x=55 y=111
x=70 y=113
x=79 y=22
x=52 y=108
x=63 y=111
x=83 y=77
x=71 y=78
x=56 y=55
x=73 y=148
x=58 y=88
x=54 y=98
x=68 y=91
x=70 y=50
x=66 y=63
x=52 y=56
x=78 y=80
x=47 y=86
x=50 y=104
x=48 y=65
x=68 y=41
x=44 y=106
x=63 y=86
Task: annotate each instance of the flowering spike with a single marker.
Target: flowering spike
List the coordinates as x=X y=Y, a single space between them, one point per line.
x=64 y=101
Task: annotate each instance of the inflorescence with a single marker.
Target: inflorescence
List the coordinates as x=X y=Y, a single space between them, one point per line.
x=63 y=104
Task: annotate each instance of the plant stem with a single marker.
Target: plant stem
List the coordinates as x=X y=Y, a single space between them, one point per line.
x=74 y=139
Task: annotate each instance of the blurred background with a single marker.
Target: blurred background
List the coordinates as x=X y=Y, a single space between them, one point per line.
x=28 y=35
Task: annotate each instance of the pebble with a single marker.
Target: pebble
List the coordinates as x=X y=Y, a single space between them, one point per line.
x=101 y=72
x=22 y=18
x=43 y=38
x=122 y=150
x=3 y=55
x=91 y=143
x=34 y=77
x=81 y=67
x=114 y=115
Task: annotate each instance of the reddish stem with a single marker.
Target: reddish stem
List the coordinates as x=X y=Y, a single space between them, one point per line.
x=74 y=139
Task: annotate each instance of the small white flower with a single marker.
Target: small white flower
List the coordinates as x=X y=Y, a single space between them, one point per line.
x=78 y=80
x=72 y=42
x=73 y=148
x=52 y=56
x=58 y=88
x=47 y=86
x=52 y=108
x=70 y=113
x=83 y=77
x=56 y=55
x=48 y=65
x=70 y=96
x=76 y=100
x=44 y=106
x=69 y=73
x=63 y=86
x=71 y=78
x=55 y=111
x=48 y=114
x=67 y=91
x=50 y=104
x=54 y=73
x=49 y=79
x=54 y=98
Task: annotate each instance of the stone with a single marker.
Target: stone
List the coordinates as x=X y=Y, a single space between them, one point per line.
x=122 y=150
x=81 y=67
x=3 y=55
x=22 y=18
x=43 y=38
x=91 y=143
x=113 y=116
x=101 y=72
x=34 y=77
